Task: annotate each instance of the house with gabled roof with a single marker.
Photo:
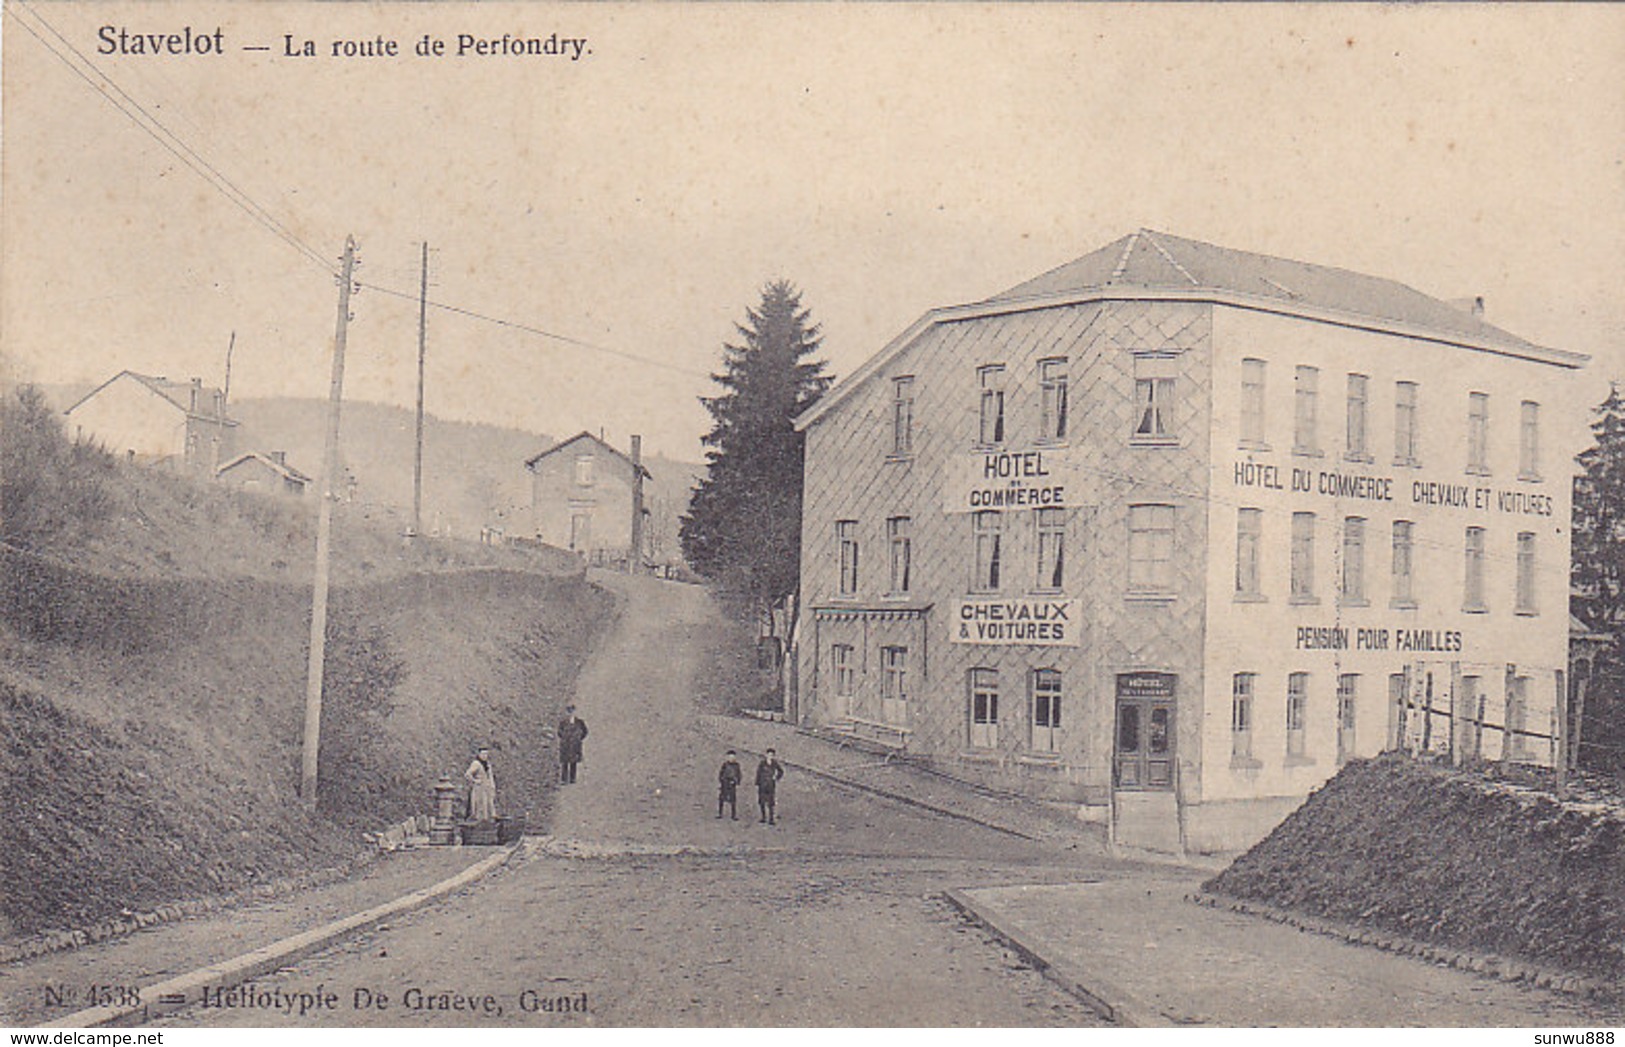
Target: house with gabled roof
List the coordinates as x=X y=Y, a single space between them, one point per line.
x=582 y=496
x=265 y=472
x=155 y=420
x=1171 y=532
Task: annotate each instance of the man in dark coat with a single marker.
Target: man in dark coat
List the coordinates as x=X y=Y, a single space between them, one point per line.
x=768 y=773
x=572 y=732
x=728 y=779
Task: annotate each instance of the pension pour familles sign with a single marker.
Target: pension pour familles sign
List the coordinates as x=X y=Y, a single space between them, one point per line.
x=1036 y=478
x=1038 y=621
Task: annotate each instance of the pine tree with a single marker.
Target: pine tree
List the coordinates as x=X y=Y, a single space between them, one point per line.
x=1598 y=579
x=743 y=527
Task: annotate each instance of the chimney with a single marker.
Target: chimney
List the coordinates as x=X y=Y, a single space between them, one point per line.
x=279 y=457
x=1473 y=304
x=197 y=391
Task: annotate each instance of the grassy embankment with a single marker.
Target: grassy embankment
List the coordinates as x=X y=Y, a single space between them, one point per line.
x=153 y=645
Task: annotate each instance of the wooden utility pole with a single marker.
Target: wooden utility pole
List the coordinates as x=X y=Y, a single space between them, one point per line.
x=324 y=531
x=225 y=390
x=634 y=556
x=417 y=456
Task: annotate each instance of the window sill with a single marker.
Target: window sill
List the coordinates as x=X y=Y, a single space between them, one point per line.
x=1253 y=445
x=1298 y=761
x=1530 y=478
x=1526 y=612
x=1303 y=601
x=1245 y=763
x=900 y=597
x=1051 y=761
x=1475 y=608
x=1153 y=441
x=1308 y=452
x=1249 y=598
x=1403 y=605
x=1150 y=597
x=1053 y=442
x=900 y=459
x=981 y=756
x=1344 y=601
x=1477 y=470
x=1407 y=463
x=1359 y=457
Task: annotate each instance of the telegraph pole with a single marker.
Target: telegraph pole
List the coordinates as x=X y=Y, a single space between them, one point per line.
x=423 y=337
x=634 y=557
x=324 y=531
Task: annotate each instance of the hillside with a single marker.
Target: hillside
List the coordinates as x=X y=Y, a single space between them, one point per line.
x=1453 y=858
x=153 y=641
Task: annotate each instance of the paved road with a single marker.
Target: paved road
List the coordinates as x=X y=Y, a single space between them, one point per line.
x=668 y=916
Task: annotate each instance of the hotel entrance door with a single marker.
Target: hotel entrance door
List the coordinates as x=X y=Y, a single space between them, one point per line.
x=1145 y=731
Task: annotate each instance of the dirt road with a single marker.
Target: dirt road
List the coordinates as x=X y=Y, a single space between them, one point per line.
x=674 y=917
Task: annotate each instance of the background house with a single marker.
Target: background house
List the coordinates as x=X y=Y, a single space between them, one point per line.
x=266 y=472
x=581 y=498
x=154 y=420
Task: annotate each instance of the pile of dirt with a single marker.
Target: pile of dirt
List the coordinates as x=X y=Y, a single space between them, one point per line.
x=1451 y=857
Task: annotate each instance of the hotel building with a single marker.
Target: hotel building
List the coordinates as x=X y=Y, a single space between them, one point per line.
x=1169 y=533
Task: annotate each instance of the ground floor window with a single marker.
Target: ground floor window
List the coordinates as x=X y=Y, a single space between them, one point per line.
x=840 y=658
x=984 y=708
x=1348 y=686
x=1297 y=701
x=1517 y=747
x=1241 y=716
x=894 y=685
x=1046 y=710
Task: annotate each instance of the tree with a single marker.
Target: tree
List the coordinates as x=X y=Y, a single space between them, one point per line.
x=743 y=527
x=1598 y=580
x=51 y=489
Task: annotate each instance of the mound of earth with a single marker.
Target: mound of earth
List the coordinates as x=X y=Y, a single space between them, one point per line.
x=1450 y=857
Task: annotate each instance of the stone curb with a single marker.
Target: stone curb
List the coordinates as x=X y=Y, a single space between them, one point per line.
x=1487 y=964
x=1105 y=998
x=187 y=989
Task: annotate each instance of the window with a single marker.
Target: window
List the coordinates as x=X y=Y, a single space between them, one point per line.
x=1472 y=705
x=584 y=470
x=991 y=380
x=1529 y=441
x=894 y=685
x=987 y=527
x=1241 y=716
x=1403 y=590
x=1356 y=442
x=1153 y=405
x=1046 y=710
x=902 y=417
x=1052 y=396
x=984 y=708
x=898 y=534
x=1354 y=560
x=1348 y=686
x=1405 y=447
x=840 y=658
x=1249 y=527
x=1473 y=589
x=1051 y=548
x=1297 y=701
x=1305 y=418
x=846 y=533
x=1526 y=573
x=1252 y=403
x=1478 y=432
x=1150 y=548
x=1303 y=557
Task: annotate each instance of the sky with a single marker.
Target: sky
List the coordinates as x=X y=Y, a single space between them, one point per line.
x=886 y=159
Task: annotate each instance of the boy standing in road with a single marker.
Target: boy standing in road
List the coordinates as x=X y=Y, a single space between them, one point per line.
x=728 y=779
x=768 y=773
